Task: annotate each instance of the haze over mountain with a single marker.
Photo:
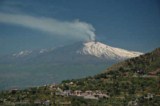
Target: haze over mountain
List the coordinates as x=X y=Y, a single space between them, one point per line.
x=56 y=64
x=72 y=53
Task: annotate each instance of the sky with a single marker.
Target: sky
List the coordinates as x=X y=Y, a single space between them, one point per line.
x=35 y=24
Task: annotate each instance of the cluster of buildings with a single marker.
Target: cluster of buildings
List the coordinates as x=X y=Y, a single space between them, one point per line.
x=89 y=94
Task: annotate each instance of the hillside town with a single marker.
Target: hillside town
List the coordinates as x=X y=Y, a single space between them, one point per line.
x=88 y=94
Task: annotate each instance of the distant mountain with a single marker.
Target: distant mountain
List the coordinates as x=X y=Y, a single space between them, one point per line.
x=77 y=51
x=54 y=65
x=101 y=50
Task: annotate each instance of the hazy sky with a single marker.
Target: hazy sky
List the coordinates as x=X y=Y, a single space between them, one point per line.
x=34 y=24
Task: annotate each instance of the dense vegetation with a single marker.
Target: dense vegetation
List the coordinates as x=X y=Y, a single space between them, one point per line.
x=133 y=82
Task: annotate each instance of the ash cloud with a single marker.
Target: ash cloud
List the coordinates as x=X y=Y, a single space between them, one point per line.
x=74 y=29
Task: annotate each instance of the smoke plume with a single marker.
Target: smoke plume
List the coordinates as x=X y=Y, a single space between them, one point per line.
x=74 y=29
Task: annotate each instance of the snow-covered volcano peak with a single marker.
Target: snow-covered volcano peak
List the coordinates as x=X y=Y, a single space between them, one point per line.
x=91 y=48
x=101 y=50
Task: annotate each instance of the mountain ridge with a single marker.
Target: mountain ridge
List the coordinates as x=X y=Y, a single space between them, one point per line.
x=92 y=48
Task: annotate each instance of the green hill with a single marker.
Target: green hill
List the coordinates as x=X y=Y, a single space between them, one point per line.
x=148 y=63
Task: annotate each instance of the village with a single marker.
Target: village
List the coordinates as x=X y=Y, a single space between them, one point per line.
x=88 y=94
x=55 y=90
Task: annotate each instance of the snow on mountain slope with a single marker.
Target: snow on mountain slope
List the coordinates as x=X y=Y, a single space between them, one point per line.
x=45 y=50
x=23 y=53
x=96 y=49
x=104 y=51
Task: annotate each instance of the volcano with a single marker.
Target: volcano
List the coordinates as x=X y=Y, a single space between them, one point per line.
x=37 y=67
